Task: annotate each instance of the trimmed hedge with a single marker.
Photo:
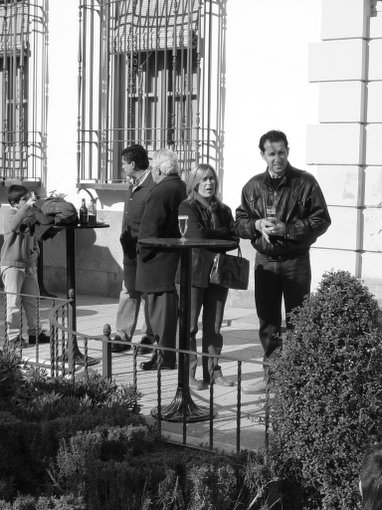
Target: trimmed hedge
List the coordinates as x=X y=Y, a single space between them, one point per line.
x=44 y=503
x=27 y=447
x=328 y=393
x=94 y=452
x=37 y=412
x=110 y=467
x=77 y=446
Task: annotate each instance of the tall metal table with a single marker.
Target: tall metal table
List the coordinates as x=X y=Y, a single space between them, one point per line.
x=70 y=239
x=182 y=406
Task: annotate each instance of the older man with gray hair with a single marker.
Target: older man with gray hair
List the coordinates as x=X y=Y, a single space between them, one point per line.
x=156 y=267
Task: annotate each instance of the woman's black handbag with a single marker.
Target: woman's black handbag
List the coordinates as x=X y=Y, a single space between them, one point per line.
x=230 y=271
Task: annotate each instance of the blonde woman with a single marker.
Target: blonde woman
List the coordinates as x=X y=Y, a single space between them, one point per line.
x=208 y=218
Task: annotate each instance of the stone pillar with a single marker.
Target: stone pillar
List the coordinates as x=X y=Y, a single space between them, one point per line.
x=346 y=145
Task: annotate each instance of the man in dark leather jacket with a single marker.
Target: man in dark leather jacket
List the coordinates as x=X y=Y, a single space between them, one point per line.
x=282 y=211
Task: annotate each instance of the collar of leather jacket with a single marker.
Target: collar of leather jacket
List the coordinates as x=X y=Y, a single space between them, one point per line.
x=284 y=180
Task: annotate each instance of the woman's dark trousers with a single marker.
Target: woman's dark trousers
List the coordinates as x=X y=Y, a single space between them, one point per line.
x=213 y=300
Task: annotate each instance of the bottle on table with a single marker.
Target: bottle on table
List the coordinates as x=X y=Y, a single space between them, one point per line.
x=92 y=212
x=84 y=213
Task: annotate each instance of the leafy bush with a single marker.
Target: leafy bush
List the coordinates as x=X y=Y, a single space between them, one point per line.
x=36 y=412
x=328 y=392
x=212 y=487
x=44 y=503
x=108 y=458
x=27 y=447
x=43 y=398
x=11 y=374
x=108 y=467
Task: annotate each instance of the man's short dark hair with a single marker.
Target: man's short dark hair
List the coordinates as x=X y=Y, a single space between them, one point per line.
x=137 y=154
x=16 y=192
x=371 y=478
x=273 y=136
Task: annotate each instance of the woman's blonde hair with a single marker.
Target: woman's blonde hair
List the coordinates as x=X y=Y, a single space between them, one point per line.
x=195 y=177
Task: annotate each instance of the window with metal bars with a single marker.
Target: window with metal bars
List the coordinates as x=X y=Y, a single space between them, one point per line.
x=23 y=79
x=150 y=72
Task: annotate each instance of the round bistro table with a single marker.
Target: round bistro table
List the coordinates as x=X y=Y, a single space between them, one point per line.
x=70 y=241
x=182 y=406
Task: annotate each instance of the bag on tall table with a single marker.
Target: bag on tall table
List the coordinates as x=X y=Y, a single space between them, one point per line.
x=231 y=271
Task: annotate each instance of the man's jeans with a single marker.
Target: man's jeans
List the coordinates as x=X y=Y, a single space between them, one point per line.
x=127 y=314
x=20 y=281
x=274 y=279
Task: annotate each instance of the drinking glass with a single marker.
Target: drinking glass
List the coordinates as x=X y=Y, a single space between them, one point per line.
x=271 y=212
x=183 y=223
x=271 y=208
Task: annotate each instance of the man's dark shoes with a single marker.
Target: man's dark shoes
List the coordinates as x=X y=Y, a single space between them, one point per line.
x=42 y=338
x=120 y=347
x=145 y=340
x=152 y=365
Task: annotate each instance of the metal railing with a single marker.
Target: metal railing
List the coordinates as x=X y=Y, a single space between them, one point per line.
x=65 y=344
x=43 y=307
x=185 y=419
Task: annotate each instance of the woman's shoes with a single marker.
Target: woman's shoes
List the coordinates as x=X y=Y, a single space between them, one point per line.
x=223 y=381
x=220 y=379
x=197 y=385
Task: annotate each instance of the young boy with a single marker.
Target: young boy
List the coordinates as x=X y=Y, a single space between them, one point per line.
x=18 y=268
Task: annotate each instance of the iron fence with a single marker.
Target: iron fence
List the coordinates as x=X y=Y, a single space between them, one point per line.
x=43 y=307
x=187 y=413
x=64 y=361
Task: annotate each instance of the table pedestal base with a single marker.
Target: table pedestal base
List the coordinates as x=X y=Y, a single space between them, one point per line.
x=174 y=410
x=79 y=359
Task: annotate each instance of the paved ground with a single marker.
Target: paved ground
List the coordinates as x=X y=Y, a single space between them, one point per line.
x=240 y=343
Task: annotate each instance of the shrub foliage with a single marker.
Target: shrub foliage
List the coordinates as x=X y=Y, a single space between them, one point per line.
x=328 y=392
x=109 y=467
x=81 y=445
x=36 y=412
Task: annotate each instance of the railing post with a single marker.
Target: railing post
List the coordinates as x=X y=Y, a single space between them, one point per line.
x=159 y=391
x=6 y=325
x=37 y=328
x=53 y=349
x=71 y=337
x=238 y=413
x=106 y=352
x=212 y=382
x=267 y=391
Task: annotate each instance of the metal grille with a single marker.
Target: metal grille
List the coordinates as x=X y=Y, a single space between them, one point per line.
x=150 y=72
x=23 y=89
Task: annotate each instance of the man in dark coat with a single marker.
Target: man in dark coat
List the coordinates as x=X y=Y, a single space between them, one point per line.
x=156 y=267
x=135 y=166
